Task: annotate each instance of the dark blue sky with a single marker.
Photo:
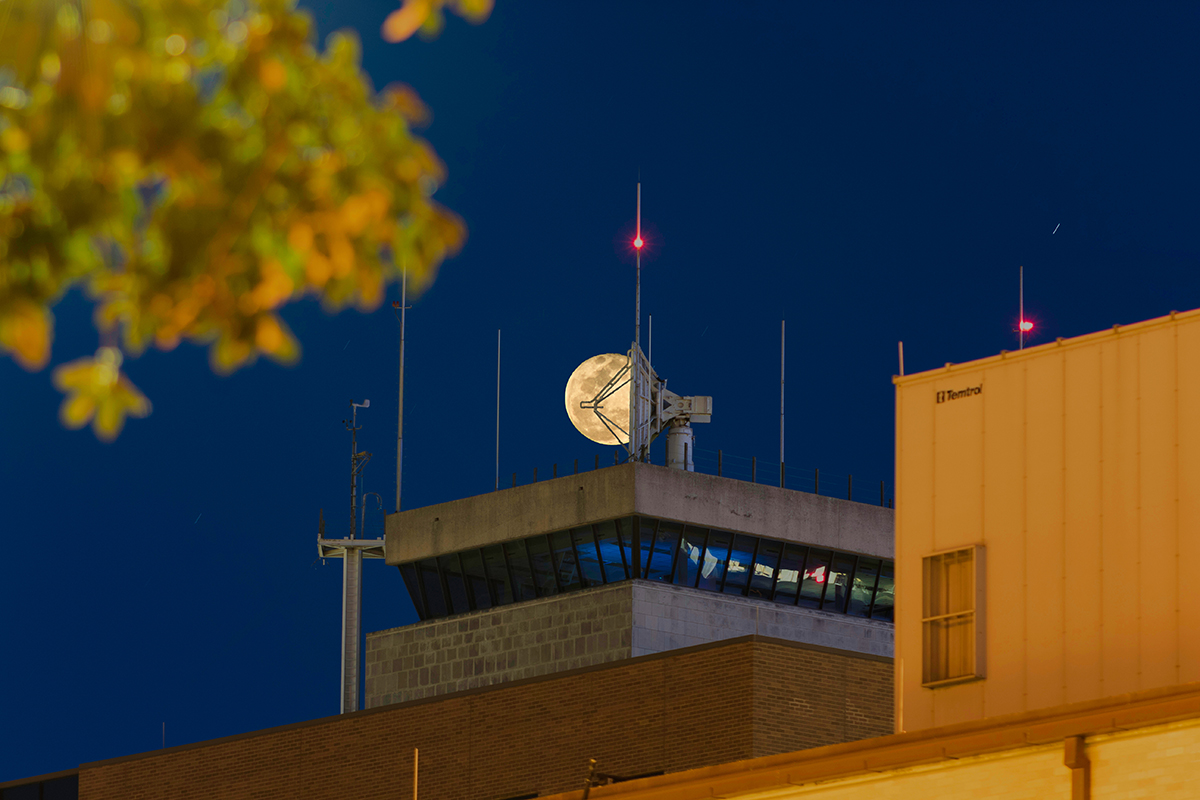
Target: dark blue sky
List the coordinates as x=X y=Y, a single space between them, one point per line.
x=870 y=172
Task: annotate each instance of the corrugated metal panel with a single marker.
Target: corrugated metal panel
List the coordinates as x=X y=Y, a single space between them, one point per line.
x=1077 y=464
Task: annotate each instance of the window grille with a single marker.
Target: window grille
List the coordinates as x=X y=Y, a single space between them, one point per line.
x=952 y=617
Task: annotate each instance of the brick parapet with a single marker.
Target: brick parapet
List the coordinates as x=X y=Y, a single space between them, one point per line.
x=673 y=711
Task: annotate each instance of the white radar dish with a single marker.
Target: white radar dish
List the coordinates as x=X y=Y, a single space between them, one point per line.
x=597 y=398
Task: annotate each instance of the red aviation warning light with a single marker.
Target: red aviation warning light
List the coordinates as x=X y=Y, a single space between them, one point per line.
x=1026 y=326
x=638 y=243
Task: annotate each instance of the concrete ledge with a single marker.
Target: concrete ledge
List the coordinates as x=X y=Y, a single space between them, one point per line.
x=654 y=491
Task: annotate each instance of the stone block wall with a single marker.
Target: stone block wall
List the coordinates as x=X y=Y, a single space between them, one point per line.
x=666 y=617
x=585 y=628
x=537 y=637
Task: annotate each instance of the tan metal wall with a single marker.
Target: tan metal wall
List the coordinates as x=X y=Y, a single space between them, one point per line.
x=1077 y=466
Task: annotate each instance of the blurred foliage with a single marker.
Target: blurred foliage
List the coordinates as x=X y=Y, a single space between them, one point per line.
x=194 y=165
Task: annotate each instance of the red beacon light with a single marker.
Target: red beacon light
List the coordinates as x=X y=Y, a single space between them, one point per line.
x=638 y=243
x=1026 y=326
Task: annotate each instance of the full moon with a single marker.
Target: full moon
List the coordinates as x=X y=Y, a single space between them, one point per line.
x=584 y=384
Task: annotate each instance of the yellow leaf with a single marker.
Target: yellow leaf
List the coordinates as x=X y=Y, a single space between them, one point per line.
x=76 y=410
x=404 y=22
x=25 y=331
x=98 y=391
x=272 y=75
x=14 y=140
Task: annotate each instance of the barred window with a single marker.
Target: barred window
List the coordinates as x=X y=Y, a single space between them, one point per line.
x=952 y=617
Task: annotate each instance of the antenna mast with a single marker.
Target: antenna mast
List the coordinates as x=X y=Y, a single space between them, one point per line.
x=638 y=434
x=1021 y=312
x=352 y=551
x=403 y=306
x=782 y=345
x=497 y=410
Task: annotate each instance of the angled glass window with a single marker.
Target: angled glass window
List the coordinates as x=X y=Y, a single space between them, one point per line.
x=863 y=587
x=741 y=559
x=435 y=598
x=766 y=565
x=543 y=569
x=716 y=553
x=589 y=556
x=522 y=573
x=477 y=582
x=409 y=573
x=565 y=562
x=837 y=587
x=452 y=575
x=816 y=573
x=612 y=557
x=628 y=540
x=499 y=584
x=885 y=595
x=687 y=562
x=646 y=528
x=790 y=567
x=615 y=550
x=666 y=544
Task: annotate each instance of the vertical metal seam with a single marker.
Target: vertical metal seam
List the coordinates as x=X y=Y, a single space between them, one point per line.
x=583 y=581
x=554 y=567
x=750 y=567
x=599 y=557
x=700 y=562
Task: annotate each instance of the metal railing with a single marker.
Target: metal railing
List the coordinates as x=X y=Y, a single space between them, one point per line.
x=749 y=469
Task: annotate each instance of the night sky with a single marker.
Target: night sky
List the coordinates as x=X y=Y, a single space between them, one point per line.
x=868 y=172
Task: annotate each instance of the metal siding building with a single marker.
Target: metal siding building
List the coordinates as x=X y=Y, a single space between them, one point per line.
x=1076 y=465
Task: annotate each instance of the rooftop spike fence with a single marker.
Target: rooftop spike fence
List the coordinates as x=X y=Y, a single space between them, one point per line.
x=750 y=469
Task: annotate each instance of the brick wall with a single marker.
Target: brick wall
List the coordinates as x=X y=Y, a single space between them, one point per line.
x=687 y=708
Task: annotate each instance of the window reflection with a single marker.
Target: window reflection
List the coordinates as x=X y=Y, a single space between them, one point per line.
x=789 y=573
x=885 y=598
x=765 y=564
x=863 y=588
x=662 y=559
x=837 y=587
x=612 y=557
x=589 y=556
x=712 y=571
x=816 y=572
x=741 y=558
x=670 y=552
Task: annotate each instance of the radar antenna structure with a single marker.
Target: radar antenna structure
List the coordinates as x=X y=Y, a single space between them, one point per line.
x=615 y=399
x=352 y=551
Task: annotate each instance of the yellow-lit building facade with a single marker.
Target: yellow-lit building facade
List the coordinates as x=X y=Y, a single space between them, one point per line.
x=1047 y=586
x=1069 y=474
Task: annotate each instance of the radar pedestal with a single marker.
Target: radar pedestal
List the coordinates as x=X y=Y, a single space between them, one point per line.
x=615 y=399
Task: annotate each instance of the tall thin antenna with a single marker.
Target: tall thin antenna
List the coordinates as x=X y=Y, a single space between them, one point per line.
x=637 y=246
x=497 y=410
x=650 y=340
x=1021 y=313
x=782 y=344
x=400 y=397
x=636 y=388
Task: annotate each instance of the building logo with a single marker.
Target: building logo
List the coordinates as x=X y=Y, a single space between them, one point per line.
x=959 y=394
